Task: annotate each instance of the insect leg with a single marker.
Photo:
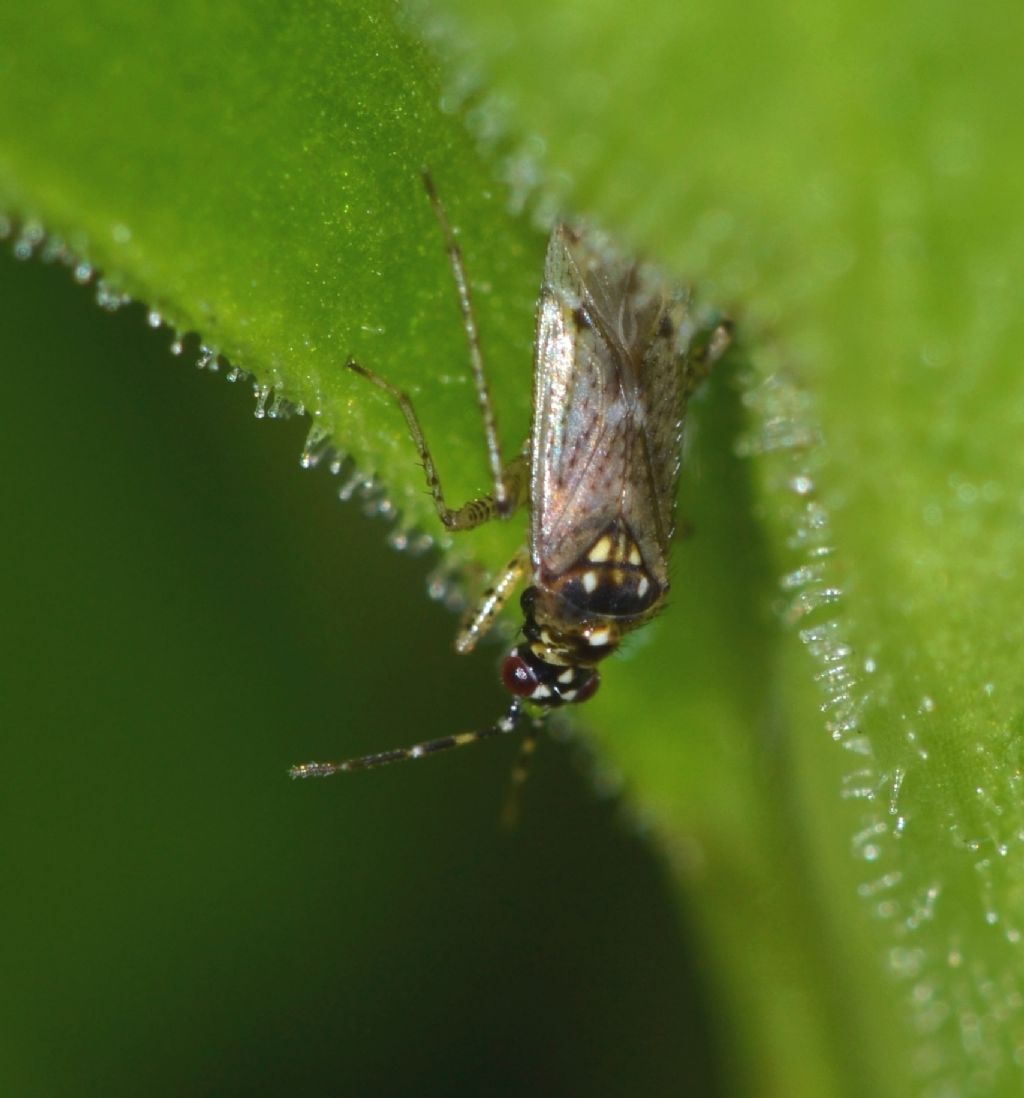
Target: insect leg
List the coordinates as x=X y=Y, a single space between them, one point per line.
x=477 y=511
x=415 y=751
x=520 y=772
x=707 y=348
x=503 y=502
x=491 y=602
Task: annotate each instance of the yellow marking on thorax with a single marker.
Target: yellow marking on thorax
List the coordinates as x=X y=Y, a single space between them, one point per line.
x=601 y=550
x=621 y=549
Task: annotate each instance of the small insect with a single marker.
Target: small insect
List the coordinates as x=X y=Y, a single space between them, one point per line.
x=616 y=356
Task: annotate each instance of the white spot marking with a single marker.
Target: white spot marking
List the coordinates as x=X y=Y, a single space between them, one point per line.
x=642 y=586
x=589 y=582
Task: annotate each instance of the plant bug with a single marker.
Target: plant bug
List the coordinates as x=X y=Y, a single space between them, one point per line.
x=616 y=357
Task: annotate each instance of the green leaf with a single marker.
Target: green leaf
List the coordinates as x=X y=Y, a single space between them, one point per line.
x=824 y=726
x=839 y=178
x=252 y=173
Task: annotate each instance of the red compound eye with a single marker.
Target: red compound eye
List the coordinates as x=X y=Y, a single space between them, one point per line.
x=517 y=676
x=588 y=689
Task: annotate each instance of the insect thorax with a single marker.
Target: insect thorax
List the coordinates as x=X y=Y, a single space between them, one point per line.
x=577 y=618
x=609 y=580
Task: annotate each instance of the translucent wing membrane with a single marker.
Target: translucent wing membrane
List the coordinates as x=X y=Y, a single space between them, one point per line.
x=607 y=405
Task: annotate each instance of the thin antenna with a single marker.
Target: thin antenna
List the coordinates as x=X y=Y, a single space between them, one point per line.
x=502 y=502
x=416 y=751
x=510 y=811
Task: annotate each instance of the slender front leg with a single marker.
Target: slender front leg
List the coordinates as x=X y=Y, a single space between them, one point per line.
x=491 y=602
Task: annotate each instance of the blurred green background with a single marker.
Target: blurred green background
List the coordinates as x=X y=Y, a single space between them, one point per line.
x=179 y=917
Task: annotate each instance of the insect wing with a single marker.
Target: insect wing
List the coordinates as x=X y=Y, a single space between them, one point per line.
x=607 y=406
